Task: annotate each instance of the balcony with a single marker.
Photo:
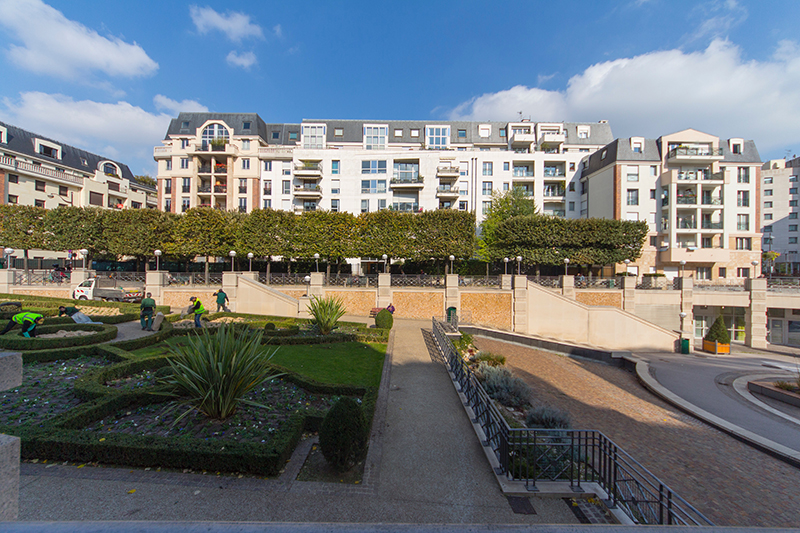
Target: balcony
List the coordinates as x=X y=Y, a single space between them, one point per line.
x=405 y=207
x=448 y=172
x=556 y=213
x=696 y=154
x=204 y=189
x=522 y=172
x=220 y=189
x=522 y=139
x=275 y=152
x=686 y=223
x=554 y=172
x=204 y=169
x=308 y=169
x=308 y=191
x=407 y=183
x=694 y=255
x=23 y=167
x=267 y=191
x=686 y=200
x=707 y=224
x=553 y=192
x=712 y=201
x=220 y=169
x=443 y=191
x=528 y=193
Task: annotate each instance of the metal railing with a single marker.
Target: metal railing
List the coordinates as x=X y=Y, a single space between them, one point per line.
x=783 y=284
x=659 y=283
x=735 y=284
x=597 y=283
x=417 y=280
x=283 y=278
x=553 y=282
x=479 y=281
x=195 y=278
x=576 y=456
x=694 y=152
x=370 y=280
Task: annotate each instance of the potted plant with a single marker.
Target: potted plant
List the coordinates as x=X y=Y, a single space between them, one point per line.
x=717 y=340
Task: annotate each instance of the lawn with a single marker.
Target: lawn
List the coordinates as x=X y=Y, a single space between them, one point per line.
x=346 y=363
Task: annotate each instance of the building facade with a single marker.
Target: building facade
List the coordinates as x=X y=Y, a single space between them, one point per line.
x=36 y=170
x=699 y=195
x=237 y=161
x=779 y=215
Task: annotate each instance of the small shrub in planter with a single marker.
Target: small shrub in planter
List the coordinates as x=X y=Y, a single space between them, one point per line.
x=717 y=340
x=546 y=417
x=501 y=385
x=343 y=435
x=488 y=358
x=384 y=319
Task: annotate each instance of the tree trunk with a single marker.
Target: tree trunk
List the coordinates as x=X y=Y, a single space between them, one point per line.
x=269 y=267
x=206 y=270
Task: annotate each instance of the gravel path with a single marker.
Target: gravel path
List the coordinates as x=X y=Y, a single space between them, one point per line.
x=728 y=481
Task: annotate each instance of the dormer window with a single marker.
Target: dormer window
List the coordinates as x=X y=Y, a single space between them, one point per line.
x=485 y=131
x=583 y=132
x=736 y=145
x=109 y=169
x=3 y=135
x=215 y=135
x=246 y=126
x=84 y=162
x=47 y=149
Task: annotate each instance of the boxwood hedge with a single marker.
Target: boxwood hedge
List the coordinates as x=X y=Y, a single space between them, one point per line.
x=13 y=340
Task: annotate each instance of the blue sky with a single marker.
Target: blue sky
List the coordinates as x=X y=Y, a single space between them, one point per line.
x=108 y=76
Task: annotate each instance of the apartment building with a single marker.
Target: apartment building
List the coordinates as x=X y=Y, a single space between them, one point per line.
x=36 y=170
x=237 y=161
x=699 y=194
x=779 y=214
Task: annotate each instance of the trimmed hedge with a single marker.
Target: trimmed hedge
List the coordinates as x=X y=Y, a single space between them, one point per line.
x=14 y=341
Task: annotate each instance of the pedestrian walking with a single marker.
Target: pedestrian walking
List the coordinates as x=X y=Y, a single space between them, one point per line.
x=27 y=320
x=198 y=309
x=76 y=315
x=222 y=298
x=146 y=310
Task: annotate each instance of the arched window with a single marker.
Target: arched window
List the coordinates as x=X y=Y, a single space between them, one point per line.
x=215 y=132
x=110 y=169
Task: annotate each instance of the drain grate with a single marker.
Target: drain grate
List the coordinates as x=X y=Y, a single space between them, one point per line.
x=521 y=505
x=589 y=511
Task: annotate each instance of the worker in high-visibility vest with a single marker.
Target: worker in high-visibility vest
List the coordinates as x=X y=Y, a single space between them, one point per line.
x=198 y=309
x=27 y=320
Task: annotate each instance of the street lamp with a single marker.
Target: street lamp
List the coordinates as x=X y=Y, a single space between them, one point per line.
x=232 y=253
x=566 y=265
x=683 y=316
x=8 y=252
x=755 y=267
x=771 y=260
x=452 y=258
x=84 y=252
x=505 y=265
x=519 y=265
x=157 y=253
x=250 y=258
x=683 y=264
x=384 y=257
x=316 y=261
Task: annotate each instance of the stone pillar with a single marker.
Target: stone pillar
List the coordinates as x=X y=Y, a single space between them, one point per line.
x=6 y=280
x=253 y=275
x=755 y=334
x=568 y=287
x=687 y=304
x=10 y=377
x=316 y=288
x=154 y=283
x=230 y=284
x=628 y=293
x=384 y=290
x=520 y=314
x=506 y=281
x=452 y=296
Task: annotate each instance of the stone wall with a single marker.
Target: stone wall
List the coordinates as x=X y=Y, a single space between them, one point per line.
x=358 y=302
x=178 y=299
x=421 y=304
x=47 y=292
x=607 y=298
x=492 y=309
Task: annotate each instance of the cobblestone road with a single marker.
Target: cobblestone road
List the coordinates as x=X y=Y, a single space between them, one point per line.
x=728 y=481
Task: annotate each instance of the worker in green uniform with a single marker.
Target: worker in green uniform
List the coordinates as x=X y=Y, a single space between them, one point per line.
x=27 y=320
x=198 y=309
x=146 y=311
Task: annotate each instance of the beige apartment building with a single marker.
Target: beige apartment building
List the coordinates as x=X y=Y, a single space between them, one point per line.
x=779 y=214
x=36 y=170
x=698 y=193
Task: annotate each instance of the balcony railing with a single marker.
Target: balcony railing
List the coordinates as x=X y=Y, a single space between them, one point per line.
x=715 y=176
x=679 y=152
x=556 y=213
x=683 y=223
x=219 y=189
x=204 y=189
x=552 y=192
x=404 y=207
x=204 y=169
x=447 y=190
x=243 y=190
x=411 y=180
x=522 y=172
x=309 y=166
x=551 y=172
x=23 y=166
x=526 y=192
x=686 y=200
x=710 y=225
x=716 y=200
x=307 y=188
x=267 y=191
x=221 y=169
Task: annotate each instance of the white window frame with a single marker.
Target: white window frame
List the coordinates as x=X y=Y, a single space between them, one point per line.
x=375 y=136
x=434 y=133
x=313 y=136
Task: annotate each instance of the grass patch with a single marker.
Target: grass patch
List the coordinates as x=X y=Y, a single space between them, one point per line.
x=347 y=363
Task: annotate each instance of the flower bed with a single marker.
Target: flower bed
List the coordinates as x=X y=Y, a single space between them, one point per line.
x=13 y=340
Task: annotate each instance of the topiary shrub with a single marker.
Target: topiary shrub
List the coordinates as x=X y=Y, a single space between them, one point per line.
x=545 y=417
x=343 y=435
x=269 y=326
x=384 y=319
x=501 y=385
x=718 y=332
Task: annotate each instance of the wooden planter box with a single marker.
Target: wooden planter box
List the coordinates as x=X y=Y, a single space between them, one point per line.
x=716 y=347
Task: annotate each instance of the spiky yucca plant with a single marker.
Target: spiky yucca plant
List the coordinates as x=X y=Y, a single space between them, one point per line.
x=326 y=312
x=214 y=370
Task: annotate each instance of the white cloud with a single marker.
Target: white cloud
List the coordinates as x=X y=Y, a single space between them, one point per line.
x=112 y=129
x=278 y=31
x=163 y=103
x=244 y=60
x=714 y=90
x=236 y=26
x=717 y=18
x=57 y=46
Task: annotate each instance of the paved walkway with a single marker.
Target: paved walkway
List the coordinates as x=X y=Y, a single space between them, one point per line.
x=425 y=466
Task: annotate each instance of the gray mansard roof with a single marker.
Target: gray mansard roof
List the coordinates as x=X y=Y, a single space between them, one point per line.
x=192 y=121
x=23 y=142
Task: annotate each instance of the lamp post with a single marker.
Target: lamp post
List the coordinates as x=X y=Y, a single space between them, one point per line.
x=84 y=252
x=683 y=316
x=771 y=260
x=157 y=253
x=566 y=265
x=232 y=253
x=627 y=262
x=452 y=258
x=316 y=261
x=755 y=267
x=683 y=264
x=384 y=257
x=505 y=265
x=519 y=265
x=8 y=252
x=250 y=258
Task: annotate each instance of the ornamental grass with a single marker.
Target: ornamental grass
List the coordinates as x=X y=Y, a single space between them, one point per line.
x=326 y=312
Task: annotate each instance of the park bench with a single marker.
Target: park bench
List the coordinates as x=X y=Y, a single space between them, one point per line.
x=374 y=311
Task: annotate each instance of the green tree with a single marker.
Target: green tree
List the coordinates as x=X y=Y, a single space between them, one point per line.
x=75 y=228
x=504 y=206
x=144 y=179
x=22 y=226
x=205 y=231
x=331 y=235
x=385 y=232
x=267 y=233
x=138 y=232
x=442 y=233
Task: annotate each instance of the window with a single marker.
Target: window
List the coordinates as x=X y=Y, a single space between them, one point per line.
x=703 y=272
x=767 y=229
x=185 y=204
x=506 y=166
x=40 y=186
x=438 y=137
x=267 y=187
x=267 y=166
x=38 y=203
x=334 y=206
x=792 y=216
x=502 y=132
x=242 y=205
x=633 y=173
x=743 y=175
x=276 y=135
x=737 y=148
x=245 y=164
x=653 y=170
x=633 y=197
x=184 y=143
x=487 y=168
x=462 y=205
x=381 y=204
x=48 y=151
x=268 y=203
x=571 y=206
x=767 y=205
x=242 y=186
x=767 y=192
x=334 y=167
x=13 y=198
x=334 y=186
x=292 y=135
x=744 y=243
x=168 y=186
x=743 y=272
x=136 y=205
x=96 y=198
x=571 y=186
x=168 y=205
x=583 y=132
x=743 y=222
x=572 y=166
x=287 y=168
x=768 y=216
x=184 y=162
x=365 y=206
x=313 y=137
x=215 y=132
x=373 y=186
x=485 y=207
x=743 y=199
x=168 y=164
x=462 y=134
x=792 y=240
x=245 y=125
x=245 y=144
x=792 y=203
x=62 y=190
x=375 y=137
x=792 y=227
x=373 y=167
x=187 y=185
x=13 y=178
x=506 y=186
x=793 y=190
x=767 y=180
x=637 y=148
x=398 y=132
x=286 y=186
x=723 y=272
x=415 y=133
x=485 y=130
x=652 y=194
x=487 y=188
x=406 y=172
x=654 y=241
x=185 y=124
x=603 y=154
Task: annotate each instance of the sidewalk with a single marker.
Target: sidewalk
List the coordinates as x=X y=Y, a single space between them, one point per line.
x=425 y=466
